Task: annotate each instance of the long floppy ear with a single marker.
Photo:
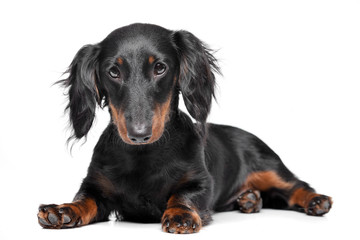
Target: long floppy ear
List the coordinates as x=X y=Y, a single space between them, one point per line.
x=196 y=77
x=83 y=93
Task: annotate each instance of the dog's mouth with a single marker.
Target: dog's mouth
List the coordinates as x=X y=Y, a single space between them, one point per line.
x=140 y=134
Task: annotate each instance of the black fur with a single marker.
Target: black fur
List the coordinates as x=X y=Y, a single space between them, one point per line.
x=201 y=172
x=197 y=80
x=82 y=93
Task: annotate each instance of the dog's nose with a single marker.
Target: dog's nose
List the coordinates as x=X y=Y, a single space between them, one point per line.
x=139 y=133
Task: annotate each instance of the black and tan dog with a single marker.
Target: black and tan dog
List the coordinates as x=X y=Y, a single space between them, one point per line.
x=152 y=163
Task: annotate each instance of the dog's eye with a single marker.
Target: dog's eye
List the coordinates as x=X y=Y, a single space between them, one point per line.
x=159 y=69
x=114 y=72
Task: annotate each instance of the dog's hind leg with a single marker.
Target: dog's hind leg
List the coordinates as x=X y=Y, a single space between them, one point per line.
x=304 y=199
x=250 y=197
x=269 y=190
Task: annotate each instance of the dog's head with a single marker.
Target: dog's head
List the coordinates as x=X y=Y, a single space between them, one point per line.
x=138 y=71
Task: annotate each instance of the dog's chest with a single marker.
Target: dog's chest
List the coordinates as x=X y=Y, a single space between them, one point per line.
x=140 y=208
x=142 y=198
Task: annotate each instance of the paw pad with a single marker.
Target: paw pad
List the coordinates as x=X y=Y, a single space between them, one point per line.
x=319 y=205
x=250 y=201
x=54 y=216
x=177 y=220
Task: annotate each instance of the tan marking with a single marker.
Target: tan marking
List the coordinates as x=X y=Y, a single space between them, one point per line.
x=262 y=181
x=161 y=116
x=302 y=197
x=174 y=209
x=119 y=121
x=89 y=210
x=151 y=59
x=120 y=60
x=265 y=180
x=170 y=214
x=85 y=208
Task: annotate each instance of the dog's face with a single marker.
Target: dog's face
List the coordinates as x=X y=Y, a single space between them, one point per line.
x=138 y=71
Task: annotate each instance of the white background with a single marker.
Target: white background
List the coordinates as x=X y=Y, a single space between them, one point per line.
x=290 y=75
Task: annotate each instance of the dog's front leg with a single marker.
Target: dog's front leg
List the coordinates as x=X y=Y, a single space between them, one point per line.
x=181 y=216
x=187 y=209
x=82 y=211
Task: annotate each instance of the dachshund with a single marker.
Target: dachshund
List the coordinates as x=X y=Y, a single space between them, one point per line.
x=153 y=163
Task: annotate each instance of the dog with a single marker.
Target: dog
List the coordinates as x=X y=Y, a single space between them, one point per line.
x=153 y=163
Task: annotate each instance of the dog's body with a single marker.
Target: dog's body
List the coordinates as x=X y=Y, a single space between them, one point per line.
x=152 y=163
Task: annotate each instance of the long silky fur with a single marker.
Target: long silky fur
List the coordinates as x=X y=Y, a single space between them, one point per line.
x=82 y=93
x=196 y=78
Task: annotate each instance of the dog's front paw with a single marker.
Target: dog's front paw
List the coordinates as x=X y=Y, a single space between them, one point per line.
x=181 y=220
x=58 y=216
